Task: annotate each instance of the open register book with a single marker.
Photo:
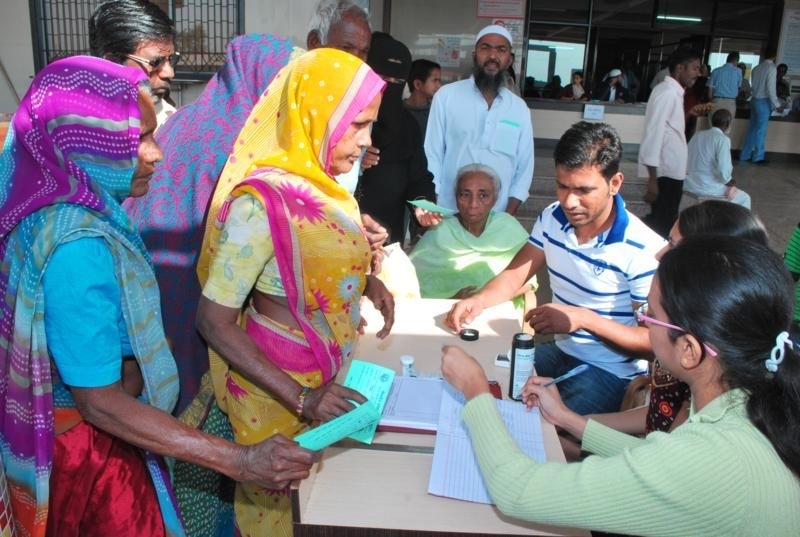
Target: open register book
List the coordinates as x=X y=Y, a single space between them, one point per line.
x=455 y=472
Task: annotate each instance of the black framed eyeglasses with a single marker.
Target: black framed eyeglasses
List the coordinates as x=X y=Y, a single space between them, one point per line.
x=158 y=62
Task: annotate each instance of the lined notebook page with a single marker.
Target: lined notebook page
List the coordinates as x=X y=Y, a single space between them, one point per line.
x=455 y=472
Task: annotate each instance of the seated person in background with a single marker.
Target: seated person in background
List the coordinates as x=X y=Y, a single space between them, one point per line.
x=669 y=397
x=457 y=257
x=401 y=172
x=575 y=91
x=552 y=90
x=529 y=89
x=610 y=89
x=710 y=169
x=629 y=80
x=731 y=469
x=600 y=259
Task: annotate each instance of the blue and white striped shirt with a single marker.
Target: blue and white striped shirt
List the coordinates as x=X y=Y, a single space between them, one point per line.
x=606 y=275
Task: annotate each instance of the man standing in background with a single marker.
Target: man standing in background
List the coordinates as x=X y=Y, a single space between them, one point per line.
x=723 y=88
x=765 y=100
x=479 y=120
x=663 y=149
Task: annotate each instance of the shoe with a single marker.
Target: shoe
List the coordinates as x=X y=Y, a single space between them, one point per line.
x=761 y=162
x=744 y=160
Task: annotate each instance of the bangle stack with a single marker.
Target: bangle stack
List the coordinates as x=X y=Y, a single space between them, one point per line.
x=301 y=400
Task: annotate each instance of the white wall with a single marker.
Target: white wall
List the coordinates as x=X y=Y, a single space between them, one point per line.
x=16 y=46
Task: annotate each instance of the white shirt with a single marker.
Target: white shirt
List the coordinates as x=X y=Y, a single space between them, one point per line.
x=710 y=165
x=664 y=142
x=605 y=275
x=763 y=82
x=463 y=130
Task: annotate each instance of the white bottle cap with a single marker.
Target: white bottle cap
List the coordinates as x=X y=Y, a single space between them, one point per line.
x=407 y=360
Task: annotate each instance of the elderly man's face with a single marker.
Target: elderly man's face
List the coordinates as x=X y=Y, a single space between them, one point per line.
x=351 y=34
x=153 y=51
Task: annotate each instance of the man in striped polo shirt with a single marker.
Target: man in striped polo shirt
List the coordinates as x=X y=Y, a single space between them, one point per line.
x=601 y=260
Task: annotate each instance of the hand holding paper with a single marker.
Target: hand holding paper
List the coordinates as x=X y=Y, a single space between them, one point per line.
x=432 y=207
x=374 y=382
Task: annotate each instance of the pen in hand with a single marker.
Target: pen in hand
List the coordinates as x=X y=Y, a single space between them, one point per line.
x=569 y=374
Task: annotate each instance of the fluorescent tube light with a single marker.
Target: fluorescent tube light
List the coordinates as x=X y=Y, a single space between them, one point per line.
x=678 y=18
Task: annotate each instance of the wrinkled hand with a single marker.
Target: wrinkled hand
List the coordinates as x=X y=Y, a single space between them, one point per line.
x=371 y=158
x=547 y=399
x=465 y=292
x=275 y=462
x=427 y=218
x=730 y=192
x=463 y=371
x=330 y=401
x=555 y=319
x=463 y=312
x=383 y=301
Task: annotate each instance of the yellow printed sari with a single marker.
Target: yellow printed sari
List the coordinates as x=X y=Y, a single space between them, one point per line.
x=282 y=158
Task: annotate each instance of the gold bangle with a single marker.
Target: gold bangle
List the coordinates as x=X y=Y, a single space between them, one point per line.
x=301 y=400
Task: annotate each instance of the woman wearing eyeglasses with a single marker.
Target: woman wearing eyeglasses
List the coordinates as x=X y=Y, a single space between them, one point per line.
x=720 y=311
x=669 y=398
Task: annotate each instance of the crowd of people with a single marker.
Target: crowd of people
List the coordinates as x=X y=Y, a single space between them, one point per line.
x=183 y=285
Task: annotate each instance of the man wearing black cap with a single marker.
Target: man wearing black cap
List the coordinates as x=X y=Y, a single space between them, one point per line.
x=479 y=120
x=402 y=173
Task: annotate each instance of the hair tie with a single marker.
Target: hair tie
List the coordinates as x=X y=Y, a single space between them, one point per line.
x=777 y=353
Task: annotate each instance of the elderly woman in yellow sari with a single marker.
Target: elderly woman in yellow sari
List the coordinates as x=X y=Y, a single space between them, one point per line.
x=284 y=262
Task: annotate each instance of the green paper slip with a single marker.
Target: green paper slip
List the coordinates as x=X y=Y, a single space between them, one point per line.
x=337 y=429
x=374 y=382
x=432 y=207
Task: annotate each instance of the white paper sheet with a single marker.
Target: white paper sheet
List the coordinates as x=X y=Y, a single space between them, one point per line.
x=455 y=472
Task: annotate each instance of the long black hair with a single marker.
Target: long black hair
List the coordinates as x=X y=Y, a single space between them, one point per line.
x=737 y=296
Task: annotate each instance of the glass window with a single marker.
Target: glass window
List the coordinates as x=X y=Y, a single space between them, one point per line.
x=555 y=50
x=749 y=51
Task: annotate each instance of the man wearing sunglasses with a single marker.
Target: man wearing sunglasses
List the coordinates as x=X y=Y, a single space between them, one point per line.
x=137 y=33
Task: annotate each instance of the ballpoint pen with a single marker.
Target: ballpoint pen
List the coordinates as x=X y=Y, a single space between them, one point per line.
x=569 y=374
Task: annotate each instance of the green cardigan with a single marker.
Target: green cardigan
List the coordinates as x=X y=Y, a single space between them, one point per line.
x=714 y=475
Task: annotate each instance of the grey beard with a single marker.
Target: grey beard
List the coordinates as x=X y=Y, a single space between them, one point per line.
x=488 y=84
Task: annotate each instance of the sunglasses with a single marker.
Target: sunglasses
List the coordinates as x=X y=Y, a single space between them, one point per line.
x=643 y=318
x=157 y=62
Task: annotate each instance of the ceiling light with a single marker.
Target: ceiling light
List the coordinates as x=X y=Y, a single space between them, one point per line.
x=678 y=18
